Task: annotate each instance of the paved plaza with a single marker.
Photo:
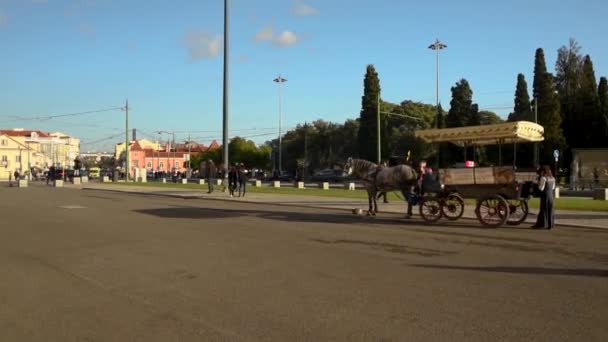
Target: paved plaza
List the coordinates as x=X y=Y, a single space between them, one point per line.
x=94 y=265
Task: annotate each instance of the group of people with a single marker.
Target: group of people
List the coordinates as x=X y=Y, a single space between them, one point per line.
x=237 y=177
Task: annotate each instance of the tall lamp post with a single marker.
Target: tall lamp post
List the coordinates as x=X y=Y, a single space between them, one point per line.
x=437 y=46
x=225 y=94
x=280 y=80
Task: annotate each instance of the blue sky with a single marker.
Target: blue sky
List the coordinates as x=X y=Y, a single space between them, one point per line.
x=61 y=56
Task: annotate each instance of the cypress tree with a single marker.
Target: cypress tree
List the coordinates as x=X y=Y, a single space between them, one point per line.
x=522 y=111
x=588 y=108
x=567 y=81
x=548 y=109
x=462 y=110
x=602 y=90
x=367 y=137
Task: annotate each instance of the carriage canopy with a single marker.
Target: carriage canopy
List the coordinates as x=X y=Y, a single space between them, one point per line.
x=508 y=132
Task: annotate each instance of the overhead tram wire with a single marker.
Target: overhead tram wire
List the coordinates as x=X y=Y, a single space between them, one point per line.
x=49 y=117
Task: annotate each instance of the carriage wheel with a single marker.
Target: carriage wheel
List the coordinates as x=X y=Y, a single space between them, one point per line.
x=430 y=209
x=453 y=207
x=518 y=212
x=492 y=211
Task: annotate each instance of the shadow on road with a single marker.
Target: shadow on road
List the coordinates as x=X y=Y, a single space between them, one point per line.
x=585 y=272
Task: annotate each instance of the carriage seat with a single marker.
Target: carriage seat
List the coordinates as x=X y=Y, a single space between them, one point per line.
x=479 y=175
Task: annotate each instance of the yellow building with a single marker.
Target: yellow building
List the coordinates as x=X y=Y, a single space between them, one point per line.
x=25 y=150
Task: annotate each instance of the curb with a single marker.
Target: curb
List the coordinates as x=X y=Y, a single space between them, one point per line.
x=570 y=225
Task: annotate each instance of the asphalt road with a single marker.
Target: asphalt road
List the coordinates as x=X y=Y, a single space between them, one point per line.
x=99 y=266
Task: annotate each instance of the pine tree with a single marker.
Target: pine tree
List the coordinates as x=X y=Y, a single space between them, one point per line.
x=588 y=108
x=548 y=109
x=367 y=137
x=602 y=90
x=522 y=111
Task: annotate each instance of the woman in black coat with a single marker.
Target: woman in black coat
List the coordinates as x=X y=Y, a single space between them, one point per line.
x=546 y=185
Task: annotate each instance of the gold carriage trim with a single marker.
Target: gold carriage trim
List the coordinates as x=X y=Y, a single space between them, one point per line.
x=508 y=132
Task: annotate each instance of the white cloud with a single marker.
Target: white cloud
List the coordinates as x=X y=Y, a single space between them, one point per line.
x=202 y=45
x=301 y=9
x=264 y=34
x=285 y=39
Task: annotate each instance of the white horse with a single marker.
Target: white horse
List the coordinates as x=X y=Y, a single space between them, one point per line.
x=382 y=179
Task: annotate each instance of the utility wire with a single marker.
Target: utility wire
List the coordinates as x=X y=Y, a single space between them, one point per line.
x=49 y=117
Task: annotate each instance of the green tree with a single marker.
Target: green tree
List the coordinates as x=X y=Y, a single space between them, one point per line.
x=367 y=137
x=548 y=109
x=489 y=118
x=567 y=82
x=603 y=100
x=462 y=110
x=588 y=109
x=522 y=111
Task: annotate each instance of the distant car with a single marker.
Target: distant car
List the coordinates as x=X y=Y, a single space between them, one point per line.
x=285 y=176
x=327 y=175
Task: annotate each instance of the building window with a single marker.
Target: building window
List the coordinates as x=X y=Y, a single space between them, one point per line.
x=18 y=159
x=177 y=165
x=3 y=142
x=4 y=158
x=135 y=163
x=149 y=165
x=161 y=165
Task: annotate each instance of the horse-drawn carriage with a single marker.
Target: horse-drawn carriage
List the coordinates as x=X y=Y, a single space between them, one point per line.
x=501 y=193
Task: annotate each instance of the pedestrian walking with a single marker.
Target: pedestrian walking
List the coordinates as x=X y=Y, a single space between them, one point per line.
x=210 y=172
x=243 y=178
x=546 y=186
x=233 y=178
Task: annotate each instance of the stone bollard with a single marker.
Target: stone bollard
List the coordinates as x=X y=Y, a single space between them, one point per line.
x=301 y=185
x=349 y=186
x=84 y=179
x=556 y=192
x=76 y=180
x=23 y=183
x=201 y=182
x=164 y=180
x=600 y=194
x=218 y=181
x=184 y=181
x=276 y=184
x=258 y=183
x=142 y=179
x=58 y=183
x=324 y=186
x=106 y=179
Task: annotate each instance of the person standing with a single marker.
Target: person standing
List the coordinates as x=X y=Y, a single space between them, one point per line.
x=243 y=177
x=233 y=176
x=546 y=185
x=210 y=172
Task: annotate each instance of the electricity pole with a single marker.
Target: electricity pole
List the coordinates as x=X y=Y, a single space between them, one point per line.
x=127 y=141
x=378 y=130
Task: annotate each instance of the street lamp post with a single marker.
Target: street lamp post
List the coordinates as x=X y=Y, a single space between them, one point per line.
x=225 y=92
x=437 y=45
x=280 y=80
